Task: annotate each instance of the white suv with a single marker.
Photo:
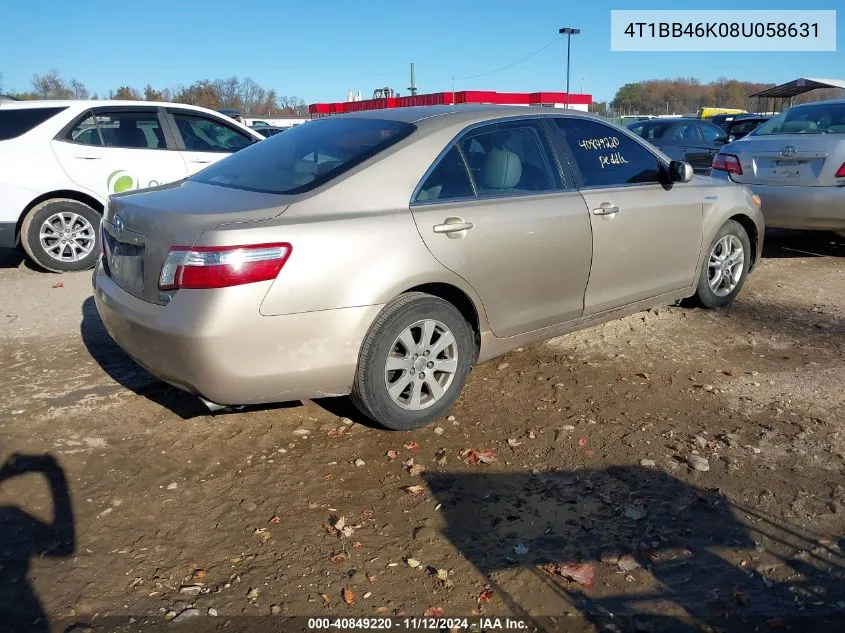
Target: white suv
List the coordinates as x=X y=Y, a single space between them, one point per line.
x=62 y=159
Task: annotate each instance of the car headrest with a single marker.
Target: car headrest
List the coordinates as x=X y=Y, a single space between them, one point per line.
x=798 y=126
x=502 y=170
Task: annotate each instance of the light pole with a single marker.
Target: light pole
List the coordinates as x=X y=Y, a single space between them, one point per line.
x=569 y=32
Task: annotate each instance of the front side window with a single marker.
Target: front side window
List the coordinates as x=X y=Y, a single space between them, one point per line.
x=201 y=134
x=651 y=131
x=17 y=121
x=510 y=158
x=306 y=156
x=821 y=118
x=449 y=180
x=605 y=157
x=124 y=129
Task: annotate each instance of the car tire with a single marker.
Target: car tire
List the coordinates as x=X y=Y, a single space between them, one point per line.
x=420 y=391
x=81 y=231
x=720 y=281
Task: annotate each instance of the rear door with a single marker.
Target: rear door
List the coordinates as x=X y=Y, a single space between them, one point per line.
x=496 y=210
x=204 y=139
x=115 y=149
x=646 y=234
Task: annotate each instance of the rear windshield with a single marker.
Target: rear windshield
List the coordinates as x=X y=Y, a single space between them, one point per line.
x=649 y=131
x=17 y=121
x=305 y=156
x=821 y=118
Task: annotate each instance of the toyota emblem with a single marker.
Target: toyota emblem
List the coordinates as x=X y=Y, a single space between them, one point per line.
x=789 y=150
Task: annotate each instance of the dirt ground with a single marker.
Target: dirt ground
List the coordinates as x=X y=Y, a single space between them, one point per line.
x=132 y=505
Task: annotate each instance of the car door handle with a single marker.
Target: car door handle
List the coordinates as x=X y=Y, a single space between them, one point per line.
x=87 y=157
x=605 y=208
x=452 y=225
x=200 y=161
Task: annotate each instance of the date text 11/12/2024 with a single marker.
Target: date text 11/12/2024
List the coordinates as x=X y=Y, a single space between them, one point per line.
x=480 y=625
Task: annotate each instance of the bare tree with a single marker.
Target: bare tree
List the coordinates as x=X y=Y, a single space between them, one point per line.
x=125 y=93
x=79 y=89
x=51 y=86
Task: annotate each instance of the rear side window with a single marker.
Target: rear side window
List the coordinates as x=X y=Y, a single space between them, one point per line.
x=510 y=158
x=14 y=122
x=305 y=156
x=605 y=157
x=119 y=129
x=449 y=180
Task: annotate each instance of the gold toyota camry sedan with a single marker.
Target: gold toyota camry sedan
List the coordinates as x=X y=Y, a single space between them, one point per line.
x=382 y=254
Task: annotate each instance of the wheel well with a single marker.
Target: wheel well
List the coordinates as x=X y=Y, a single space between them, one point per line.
x=62 y=193
x=457 y=298
x=750 y=228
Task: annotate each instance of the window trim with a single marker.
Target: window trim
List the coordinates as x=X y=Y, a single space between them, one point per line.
x=64 y=134
x=542 y=130
x=560 y=139
x=177 y=135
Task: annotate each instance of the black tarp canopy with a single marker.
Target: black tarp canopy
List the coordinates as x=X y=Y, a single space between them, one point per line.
x=786 y=92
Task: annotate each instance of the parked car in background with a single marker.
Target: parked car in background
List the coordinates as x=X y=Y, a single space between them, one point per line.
x=744 y=124
x=691 y=140
x=384 y=253
x=795 y=162
x=62 y=159
x=268 y=130
x=722 y=120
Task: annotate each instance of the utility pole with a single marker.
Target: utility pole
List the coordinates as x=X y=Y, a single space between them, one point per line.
x=413 y=86
x=569 y=32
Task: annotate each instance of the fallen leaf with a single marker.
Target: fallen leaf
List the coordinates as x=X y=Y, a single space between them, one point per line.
x=367 y=595
x=357 y=545
x=582 y=573
x=416 y=489
x=369 y=513
x=382 y=609
x=274 y=520
x=348 y=596
x=440 y=456
x=339 y=557
x=433 y=612
x=263 y=534
x=514 y=443
x=442 y=574
x=416 y=470
x=582 y=442
x=412 y=563
x=473 y=457
x=59 y=285
x=411 y=445
x=408 y=462
x=337 y=432
x=326 y=599
x=485 y=595
x=372 y=579
x=198 y=574
x=391 y=455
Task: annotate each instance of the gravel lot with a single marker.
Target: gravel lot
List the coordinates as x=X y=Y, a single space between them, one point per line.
x=678 y=468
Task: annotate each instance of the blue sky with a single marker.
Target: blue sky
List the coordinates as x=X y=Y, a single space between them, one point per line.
x=320 y=50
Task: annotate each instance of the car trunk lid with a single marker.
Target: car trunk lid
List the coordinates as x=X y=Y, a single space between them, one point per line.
x=786 y=159
x=139 y=229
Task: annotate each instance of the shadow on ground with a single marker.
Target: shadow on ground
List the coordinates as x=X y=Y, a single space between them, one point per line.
x=24 y=537
x=682 y=548
x=781 y=243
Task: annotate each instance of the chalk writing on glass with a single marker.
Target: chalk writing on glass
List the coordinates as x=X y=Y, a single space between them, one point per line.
x=606 y=142
x=615 y=158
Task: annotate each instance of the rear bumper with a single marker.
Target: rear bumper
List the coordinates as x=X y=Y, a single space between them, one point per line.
x=8 y=234
x=815 y=208
x=214 y=343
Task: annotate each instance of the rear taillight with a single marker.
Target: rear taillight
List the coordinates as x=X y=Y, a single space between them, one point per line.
x=221 y=266
x=728 y=163
x=840 y=173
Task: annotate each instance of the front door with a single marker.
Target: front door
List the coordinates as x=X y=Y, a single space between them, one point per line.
x=205 y=140
x=646 y=235
x=112 y=150
x=495 y=211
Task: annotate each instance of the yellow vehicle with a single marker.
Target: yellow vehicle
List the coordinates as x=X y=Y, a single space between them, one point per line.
x=706 y=113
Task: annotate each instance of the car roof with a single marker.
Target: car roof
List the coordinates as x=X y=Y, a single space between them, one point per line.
x=84 y=104
x=668 y=119
x=464 y=113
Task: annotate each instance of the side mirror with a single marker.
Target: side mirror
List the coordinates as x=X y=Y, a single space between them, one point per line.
x=679 y=171
x=731 y=138
x=721 y=140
